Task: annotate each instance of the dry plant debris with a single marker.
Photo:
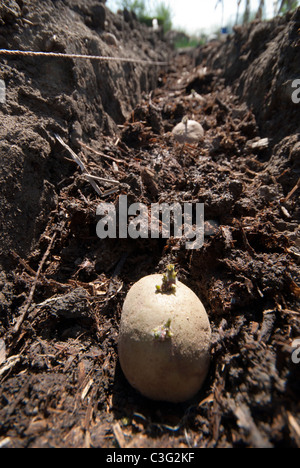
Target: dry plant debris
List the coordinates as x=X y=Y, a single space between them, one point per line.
x=62 y=294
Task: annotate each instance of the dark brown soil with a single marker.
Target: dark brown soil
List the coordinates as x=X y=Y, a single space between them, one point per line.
x=62 y=288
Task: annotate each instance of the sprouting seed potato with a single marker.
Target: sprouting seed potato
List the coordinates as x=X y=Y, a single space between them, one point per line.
x=188 y=131
x=164 y=339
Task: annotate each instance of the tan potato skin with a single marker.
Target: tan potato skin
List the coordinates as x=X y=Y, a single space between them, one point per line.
x=191 y=133
x=174 y=369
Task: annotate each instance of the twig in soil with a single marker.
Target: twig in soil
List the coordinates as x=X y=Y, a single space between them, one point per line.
x=99 y=153
x=101 y=179
x=246 y=242
x=50 y=282
x=86 y=389
x=4 y=442
x=294 y=428
x=291 y=312
x=292 y=192
x=119 y=436
x=80 y=164
x=160 y=426
x=10 y=362
x=110 y=192
x=30 y=297
x=23 y=263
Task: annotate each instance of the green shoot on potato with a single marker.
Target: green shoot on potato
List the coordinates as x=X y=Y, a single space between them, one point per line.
x=164 y=332
x=168 y=281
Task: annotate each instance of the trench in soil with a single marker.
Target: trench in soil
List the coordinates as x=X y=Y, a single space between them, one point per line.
x=66 y=387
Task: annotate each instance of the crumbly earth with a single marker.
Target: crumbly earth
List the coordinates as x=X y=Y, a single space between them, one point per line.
x=62 y=288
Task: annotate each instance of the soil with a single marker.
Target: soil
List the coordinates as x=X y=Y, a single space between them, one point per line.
x=62 y=288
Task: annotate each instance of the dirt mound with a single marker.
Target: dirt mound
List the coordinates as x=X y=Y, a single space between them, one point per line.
x=260 y=62
x=61 y=298
x=73 y=98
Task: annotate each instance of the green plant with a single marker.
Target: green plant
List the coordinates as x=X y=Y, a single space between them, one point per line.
x=288 y=5
x=159 y=10
x=139 y=7
x=164 y=13
x=163 y=332
x=168 y=281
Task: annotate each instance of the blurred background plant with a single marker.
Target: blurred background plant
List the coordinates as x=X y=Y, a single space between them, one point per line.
x=243 y=12
x=139 y=7
x=287 y=5
x=147 y=11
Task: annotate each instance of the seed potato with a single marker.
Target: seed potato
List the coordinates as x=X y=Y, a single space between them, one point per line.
x=164 y=340
x=188 y=131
